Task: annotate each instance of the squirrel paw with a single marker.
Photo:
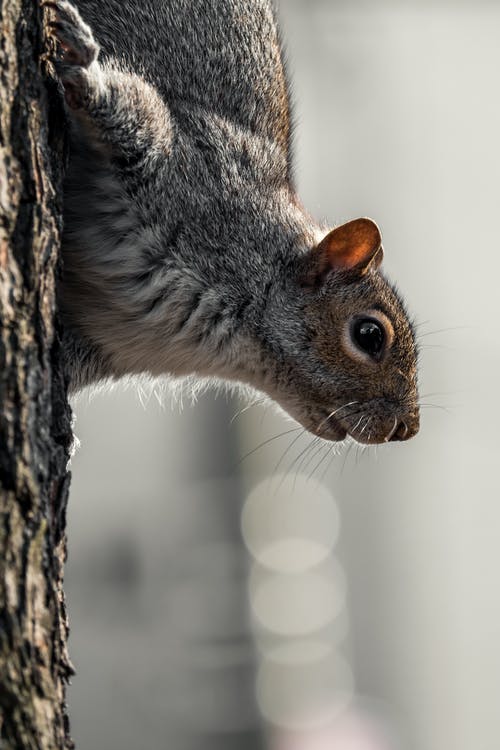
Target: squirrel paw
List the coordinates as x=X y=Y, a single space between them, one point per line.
x=77 y=50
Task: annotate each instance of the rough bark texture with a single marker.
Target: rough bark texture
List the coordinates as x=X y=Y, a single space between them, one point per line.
x=35 y=432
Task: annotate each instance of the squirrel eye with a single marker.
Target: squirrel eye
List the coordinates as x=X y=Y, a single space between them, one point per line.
x=369 y=336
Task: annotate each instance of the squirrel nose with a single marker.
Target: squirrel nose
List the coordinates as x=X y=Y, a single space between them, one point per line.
x=405 y=429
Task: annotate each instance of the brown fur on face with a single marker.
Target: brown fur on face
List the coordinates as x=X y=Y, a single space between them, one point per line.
x=373 y=401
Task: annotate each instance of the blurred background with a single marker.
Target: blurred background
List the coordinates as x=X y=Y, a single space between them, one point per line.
x=228 y=588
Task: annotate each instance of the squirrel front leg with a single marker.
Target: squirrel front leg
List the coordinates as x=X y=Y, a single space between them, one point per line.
x=120 y=148
x=117 y=110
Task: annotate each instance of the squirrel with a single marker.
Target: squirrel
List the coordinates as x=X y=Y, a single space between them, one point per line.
x=185 y=248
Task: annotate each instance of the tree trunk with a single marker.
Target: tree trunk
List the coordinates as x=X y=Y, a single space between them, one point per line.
x=35 y=430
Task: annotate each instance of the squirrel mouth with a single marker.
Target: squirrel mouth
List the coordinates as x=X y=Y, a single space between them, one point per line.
x=365 y=424
x=368 y=427
x=333 y=429
x=336 y=431
x=395 y=429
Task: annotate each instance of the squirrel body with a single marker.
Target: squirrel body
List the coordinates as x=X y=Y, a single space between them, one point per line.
x=185 y=248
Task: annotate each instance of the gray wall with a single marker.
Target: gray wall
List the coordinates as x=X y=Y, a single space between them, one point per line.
x=397 y=118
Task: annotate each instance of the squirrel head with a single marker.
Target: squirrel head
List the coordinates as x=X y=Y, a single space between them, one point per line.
x=355 y=369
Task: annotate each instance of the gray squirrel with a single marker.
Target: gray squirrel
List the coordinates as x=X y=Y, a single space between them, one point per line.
x=186 y=250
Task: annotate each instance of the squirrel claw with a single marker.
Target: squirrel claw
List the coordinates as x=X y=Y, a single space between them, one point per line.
x=73 y=36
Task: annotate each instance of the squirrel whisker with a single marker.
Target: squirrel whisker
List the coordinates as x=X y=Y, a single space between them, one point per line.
x=292 y=443
x=333 y=413
x=266 y=442
x=325 y=455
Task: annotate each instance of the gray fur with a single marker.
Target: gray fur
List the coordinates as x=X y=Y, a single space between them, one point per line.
x=184 y=240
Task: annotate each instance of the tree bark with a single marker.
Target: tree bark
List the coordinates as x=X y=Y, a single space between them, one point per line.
x=35 y=429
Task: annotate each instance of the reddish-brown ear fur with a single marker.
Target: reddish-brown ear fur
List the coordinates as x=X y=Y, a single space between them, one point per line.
x=355 y=246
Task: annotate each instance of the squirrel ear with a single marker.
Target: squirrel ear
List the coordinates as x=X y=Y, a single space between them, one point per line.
x=355 y=246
